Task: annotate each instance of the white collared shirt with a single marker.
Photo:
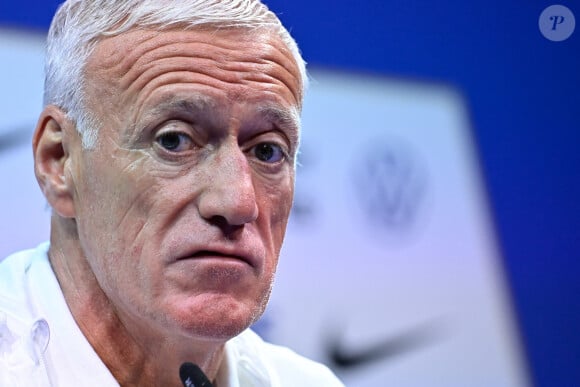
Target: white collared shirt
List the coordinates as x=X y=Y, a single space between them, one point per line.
x=41 y=344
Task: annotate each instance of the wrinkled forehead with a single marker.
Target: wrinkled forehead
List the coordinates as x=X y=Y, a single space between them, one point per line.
x=115 y=57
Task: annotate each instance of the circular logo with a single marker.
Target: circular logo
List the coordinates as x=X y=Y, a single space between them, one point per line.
x=557 y=23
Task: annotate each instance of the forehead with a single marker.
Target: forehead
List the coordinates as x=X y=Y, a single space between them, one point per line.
x=232 y=59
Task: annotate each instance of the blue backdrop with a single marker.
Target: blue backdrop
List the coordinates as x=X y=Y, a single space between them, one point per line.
x=523 y=93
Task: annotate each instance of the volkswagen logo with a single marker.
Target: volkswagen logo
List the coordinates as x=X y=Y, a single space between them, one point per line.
x=390 y=183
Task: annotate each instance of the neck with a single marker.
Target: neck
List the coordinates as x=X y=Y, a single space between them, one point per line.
x=136 y=355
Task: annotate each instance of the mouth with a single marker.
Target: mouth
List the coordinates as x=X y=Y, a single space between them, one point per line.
x=219 y=256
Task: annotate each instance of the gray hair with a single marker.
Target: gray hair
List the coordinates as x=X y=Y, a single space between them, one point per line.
x=79 y=25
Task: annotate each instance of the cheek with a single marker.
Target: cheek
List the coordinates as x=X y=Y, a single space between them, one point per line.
x=276 y=205
x=283 y=196
x=113 y=207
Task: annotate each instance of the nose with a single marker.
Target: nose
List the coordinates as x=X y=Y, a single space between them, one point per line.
x=229 y=198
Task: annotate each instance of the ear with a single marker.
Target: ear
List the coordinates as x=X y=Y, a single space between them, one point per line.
x=51 y=144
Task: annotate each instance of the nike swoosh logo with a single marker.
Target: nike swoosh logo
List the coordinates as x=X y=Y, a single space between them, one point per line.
x=409 y=340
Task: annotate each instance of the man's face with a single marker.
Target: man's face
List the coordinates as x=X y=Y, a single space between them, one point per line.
x=182 y=205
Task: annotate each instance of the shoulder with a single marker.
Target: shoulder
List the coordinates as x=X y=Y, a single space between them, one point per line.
x=13 y=280
x=21 y=336
x=285 y=365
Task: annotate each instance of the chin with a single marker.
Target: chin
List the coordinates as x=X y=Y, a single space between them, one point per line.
x=218 y=317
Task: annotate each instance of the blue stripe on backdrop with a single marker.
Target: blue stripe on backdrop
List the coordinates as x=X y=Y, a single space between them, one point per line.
x=523 y=92
x=33 y=14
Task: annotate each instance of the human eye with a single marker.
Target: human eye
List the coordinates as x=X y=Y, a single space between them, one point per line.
x=174 y=141
x=269 y=152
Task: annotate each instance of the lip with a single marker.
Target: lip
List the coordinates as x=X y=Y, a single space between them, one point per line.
x=220 y=253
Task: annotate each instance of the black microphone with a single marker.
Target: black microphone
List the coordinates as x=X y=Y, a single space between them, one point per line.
x=192 y=376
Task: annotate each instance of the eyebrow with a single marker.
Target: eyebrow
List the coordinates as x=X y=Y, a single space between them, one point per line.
x=195 y=103
x=288 y=120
